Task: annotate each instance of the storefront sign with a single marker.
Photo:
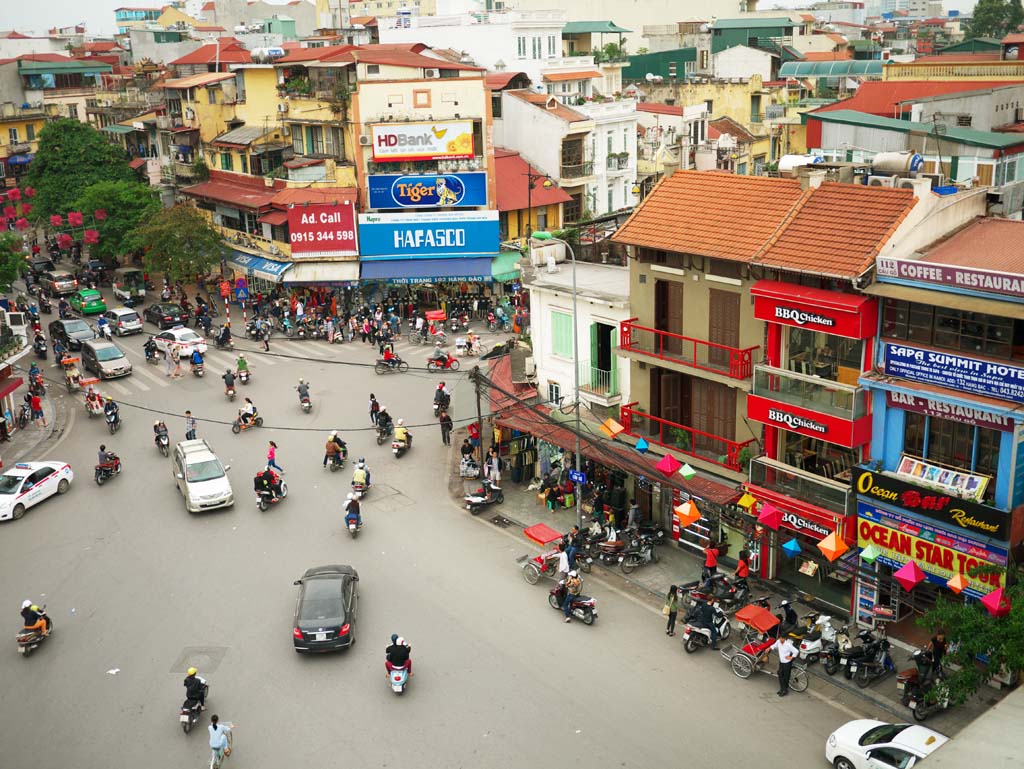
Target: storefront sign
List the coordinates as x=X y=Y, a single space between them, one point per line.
x=323 y=229
x=954 y=412
x=793 y=422
x=955 y=513
x=940 y=554
x=980 y=377
x=806 y=525
x=846 y=315
x=428 y=191
x=428 y=235
x=802 y=317
x=842 y=432
x=959 y=483
x=447 y=140
x=968 y=278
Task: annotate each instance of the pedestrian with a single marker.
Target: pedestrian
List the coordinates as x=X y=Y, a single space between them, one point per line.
x=37 y=411
x=467 y=449
x=169 y=362
x=374 y=409
x=633 y=519
x=266 y=338
x=190 y=426
x=937 y=646
x=711 y=560
x=563 y=561
x=494 y=467
x=572 y=545
x=176 y=354
x=446 y=428
x=272 y=457
x=787 y=653
x=670 y=609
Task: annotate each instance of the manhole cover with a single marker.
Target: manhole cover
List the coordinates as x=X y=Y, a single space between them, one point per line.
x=206 y=658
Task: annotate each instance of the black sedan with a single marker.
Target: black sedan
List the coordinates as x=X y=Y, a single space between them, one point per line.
x=71 y=333
x=165 y=315
x=326 y=609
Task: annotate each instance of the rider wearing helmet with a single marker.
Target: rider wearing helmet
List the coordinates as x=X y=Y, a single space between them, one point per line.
x=229 y=380
x=402 y=433
x=384 y=420
x=398 y=655
x=195 y=687
x=33 y=618
x=303 y=388
x=159 y=428
x=361 y=476
x=242 y=364
x=352 y=511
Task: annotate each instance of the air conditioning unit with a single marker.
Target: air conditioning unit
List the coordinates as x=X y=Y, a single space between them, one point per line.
x=937 y=179
x=282 y=107
x=882 y=181
x=530 y=368
x=431 y=73
x=906 y=184
x=365 y=141
x=286 y=130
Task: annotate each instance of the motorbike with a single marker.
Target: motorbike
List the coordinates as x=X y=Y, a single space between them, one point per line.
x=163 y=443
x=442 y=403
x=103 y=472
x=874 y=666
x=399 y=447
x=218 y=344
x=451 y=363
x=113 y=422
x=264 y=498
x=583 y=607
x=238 y=425
x=191 y=711
x=822 y=634
x=382 y=366
x=731 y=596
x=104 y=332
x=94 y=408
x=44 y=305
x=24 y=416
x=40 y=348
x=243 y=376
x=30 y=640
x=651 y=530
x=151 y=353
x=353 y=527
x=487 y=495
x=198 y=370
x=36 y=386
x=545 y=564
x=398 y=677
x=229 y=393
x=305 y=403
x=920 y=691
x=849 y=659
x=336 y=462
x=359 y=490
x=695 y=636
x=831 y=650
x=384 y=432
x=638 y=555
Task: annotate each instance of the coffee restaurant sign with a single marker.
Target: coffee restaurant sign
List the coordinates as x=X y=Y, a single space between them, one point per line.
x=954 y=513
x=990 y=281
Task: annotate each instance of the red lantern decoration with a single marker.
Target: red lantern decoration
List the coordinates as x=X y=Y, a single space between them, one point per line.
x=64 y=240
x=14 y=194
x=10 y=212
x=92 y=237
x=30 y=192
x=100 y=214
x=26 y=209
x=75 y=218
x=56 y=220
x=22 y=224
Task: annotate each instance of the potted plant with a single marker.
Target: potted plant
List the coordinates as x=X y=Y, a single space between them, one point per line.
x=744 y=458
x=680 y=438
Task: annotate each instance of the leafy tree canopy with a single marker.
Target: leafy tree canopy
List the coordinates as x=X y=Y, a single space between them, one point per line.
x=71 y=157
x=996 y=18
x=12 y=259
x=179 y=242
x=128 y=205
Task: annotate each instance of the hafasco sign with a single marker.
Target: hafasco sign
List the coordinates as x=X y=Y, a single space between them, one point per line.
x=981 y=377
x=428 y=191
x=949 y=510
x=795 y=422
x=799 y=523
x=429 y=235
x=447 y=140
x=323 y=229
x=802 y=317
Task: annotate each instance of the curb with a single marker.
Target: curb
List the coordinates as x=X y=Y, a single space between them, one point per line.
x=865 y=694
x=61 y=422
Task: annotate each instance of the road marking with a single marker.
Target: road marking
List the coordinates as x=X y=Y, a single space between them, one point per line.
x=144 y=371
x=116 y=386
x=138 y=383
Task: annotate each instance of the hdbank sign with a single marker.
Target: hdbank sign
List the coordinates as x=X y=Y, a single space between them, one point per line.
x=428 y=235
x=428 y=191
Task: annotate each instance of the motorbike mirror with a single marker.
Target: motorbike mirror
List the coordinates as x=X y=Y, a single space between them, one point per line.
x=297 y=582
x=226 y=468
x=179 y=476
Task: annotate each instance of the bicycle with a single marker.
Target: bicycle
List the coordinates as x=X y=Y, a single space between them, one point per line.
x=217 y=755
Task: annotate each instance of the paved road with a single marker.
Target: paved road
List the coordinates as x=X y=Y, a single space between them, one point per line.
x=137 y=586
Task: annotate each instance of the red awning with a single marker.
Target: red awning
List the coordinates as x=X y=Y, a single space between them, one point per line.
x=232 y=194
x=10 y=385
x=137 y=163
x=275 y=218
x=815 y=297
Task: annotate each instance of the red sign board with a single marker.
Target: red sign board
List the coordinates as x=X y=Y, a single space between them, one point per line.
x=842 y=432
x=830 y=312
x=802 y=517
x=323 y=229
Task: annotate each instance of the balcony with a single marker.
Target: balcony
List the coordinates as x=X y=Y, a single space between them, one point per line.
x=251 y=243
x=19 y=148
x=731 y=362
x=799 y=484
x=600 y=384
x=576 y=170
x=810 y=392
x=732 y=455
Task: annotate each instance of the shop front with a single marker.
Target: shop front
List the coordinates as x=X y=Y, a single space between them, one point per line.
x=262 y=275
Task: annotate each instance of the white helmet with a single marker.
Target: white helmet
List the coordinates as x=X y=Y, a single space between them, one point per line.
x=360 y=465
x=302 y=381
x=401 y=641
x=349 y=496
x=156 y=423
x=26 y=603
x=401 y=422
x=333 y=433
x=573 y=573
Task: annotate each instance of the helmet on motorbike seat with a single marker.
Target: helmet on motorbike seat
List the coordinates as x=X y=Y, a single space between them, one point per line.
x=401 y=422
x=26 y=603
x=394 y=637
x=191 y=671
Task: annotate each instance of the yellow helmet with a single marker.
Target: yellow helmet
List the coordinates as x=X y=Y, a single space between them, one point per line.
x=192 y=671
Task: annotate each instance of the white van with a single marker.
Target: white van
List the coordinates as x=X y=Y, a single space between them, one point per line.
x=200 y=477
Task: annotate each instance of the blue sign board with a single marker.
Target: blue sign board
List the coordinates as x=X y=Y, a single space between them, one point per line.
x=241 y=294
x=430 y=235
x=578 y=477
x=1001 y=380
x=428 y=190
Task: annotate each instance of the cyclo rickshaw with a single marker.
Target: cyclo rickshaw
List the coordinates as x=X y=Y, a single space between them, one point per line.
x=752 y=656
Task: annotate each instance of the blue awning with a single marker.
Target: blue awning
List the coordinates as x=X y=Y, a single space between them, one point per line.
x=19 y=160
x=406 y=271
x=267 y=269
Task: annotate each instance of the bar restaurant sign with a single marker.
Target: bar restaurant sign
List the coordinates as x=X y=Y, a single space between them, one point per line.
x=995 y=379
x=952 y=512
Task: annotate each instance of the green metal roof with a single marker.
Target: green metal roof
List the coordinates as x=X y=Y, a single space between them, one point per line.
x=72 y=65
x=592 y=27
x=969 y=136
x=973 y=45
x=657 y=63
x=864 y=45
x=118 y=129
x=841 y=68
x=758 y=23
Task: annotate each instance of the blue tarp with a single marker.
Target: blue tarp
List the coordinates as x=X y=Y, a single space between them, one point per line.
x=406 y=271
x=267 y=269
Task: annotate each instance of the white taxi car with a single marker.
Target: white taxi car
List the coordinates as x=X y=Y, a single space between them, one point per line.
x=29 y=483
x=180 y=340
x=866 y=744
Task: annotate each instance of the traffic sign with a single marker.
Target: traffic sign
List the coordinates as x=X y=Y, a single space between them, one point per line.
x=241 y=293
x=578 y=477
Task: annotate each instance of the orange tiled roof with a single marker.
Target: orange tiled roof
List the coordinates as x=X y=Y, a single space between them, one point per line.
x=828 y=55
x=836 y=230
x=540 y=100
x=557 y=77
x=300 y=195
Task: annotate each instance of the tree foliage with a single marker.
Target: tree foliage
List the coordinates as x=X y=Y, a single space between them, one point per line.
x=179 y=242
x=128 y=205
x=71 y=157
x=996 y=18
x=12 y=259
x=973 y=632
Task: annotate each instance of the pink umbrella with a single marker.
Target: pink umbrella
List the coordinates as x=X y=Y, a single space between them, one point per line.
x=997 y=603
x=909 y=575
x=668 y=465
x=770 y=516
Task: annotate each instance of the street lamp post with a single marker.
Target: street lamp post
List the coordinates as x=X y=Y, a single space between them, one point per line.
x=531 y=182
x=575 y=363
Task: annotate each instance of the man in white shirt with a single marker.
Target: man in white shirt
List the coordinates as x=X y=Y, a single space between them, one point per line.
x=787 y=653
x=563 y=562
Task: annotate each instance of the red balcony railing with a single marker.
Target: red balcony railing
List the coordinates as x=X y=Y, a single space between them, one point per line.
x=687 y=440
x=733 y=362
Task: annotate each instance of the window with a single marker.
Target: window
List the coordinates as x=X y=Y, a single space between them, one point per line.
x=536 y=51
x=421 y=99
x=245 y=163
x=704 y=56
x=611 y=198
x=12 y=135
x=211 y=95
x=521 y=47
x=297 y=139
x=30 y=131
x=373 y=69
x=952 y=329
x=542 y=218
x=625 y=139
x=627 y=192
x=561 y=334
x=835 y=358
x=496 y=105
x=554 y=392
x=953 y=444
x=611 y=142
x=225 y=162
x=551 y=45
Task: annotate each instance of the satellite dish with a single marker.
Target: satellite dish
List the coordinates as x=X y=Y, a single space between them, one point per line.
x=649 y=77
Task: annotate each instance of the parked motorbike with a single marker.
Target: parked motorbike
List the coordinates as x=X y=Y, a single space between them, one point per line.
x=109 y=470
x=651 y=530
x=487 y=495
x=583 y=607
x=695 y=636
x=191 y=711
x=874 y=666
x=920 y=690
x=163 y=443
x=730 y=596
x=831 y=650
x=238 y=425
x=813 y=643
x=849 y=657
x=638 y=555
x=30 y=640
x=264 y=498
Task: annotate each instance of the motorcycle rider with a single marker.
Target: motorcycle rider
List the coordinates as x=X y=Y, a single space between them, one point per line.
x=159 y=428
x=229 y=380
x=442 y=397
x=573 y=587
x=195 y=688
x=398 y=655
x=303 y=390
x=103 y=326
x=384 y=420
x=742 y=571
x=352 y=511
x=439 y=356
x=268 y=480
x=242 y=364
x=361 y=476
x=33 y=618
x=105 y=458
x=788 y=619
x=331 y=451
x=703 y=615
x=150 y=348
x=402 y=433
x=93 y=400
x=248 y=412
x=112 y=411
x=224 y=337
x=196 y=360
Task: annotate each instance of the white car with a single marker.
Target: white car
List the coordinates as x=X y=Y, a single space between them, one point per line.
x=123 y=321
x=200 y=477
x=866 y=744
x=29 y=483
x=180 y=339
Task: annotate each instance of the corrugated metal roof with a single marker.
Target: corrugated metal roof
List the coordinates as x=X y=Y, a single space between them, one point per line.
x=245 y=135
x=830 y=68
x=967 y=136
x=592 y=27
x=755 y=23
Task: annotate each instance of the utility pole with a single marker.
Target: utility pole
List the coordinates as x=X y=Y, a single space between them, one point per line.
x=479 y=416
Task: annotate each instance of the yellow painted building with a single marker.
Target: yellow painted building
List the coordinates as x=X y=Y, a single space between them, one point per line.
x=19 y=135
x=172 y=15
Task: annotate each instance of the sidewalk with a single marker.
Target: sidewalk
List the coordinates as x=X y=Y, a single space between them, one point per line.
x=32 y=443
x=677 y=565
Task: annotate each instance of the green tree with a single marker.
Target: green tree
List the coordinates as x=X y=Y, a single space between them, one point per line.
x=71 y=157
x=128 y=204
x=994 y=18
x=1014 y=16
x=973 y=632
x=179 y=242
x=12 y=259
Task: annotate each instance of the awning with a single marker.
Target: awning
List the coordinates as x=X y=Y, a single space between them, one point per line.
x=408 y=271
x=19 y=160
x=321 y=273
x=243 y=196
x=275 y=218
x=967 y=303
x=10 y=385
x=118 y=129
x=267 y=269
x=504 y=267
x=137 y=163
